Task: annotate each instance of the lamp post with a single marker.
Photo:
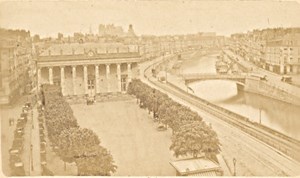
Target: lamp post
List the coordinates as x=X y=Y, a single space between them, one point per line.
x=260 y=115
x=166 y=68
x=153 y=106
x=234 y=170
x=166 y=75
x=31 y=157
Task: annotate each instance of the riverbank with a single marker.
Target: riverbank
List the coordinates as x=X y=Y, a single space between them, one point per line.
x=257 y=108
x=239 y=145
x=273 y=87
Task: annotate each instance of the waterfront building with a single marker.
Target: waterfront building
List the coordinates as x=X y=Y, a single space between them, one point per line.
x=276 y=50
x=15 y=57
x=283 y=55
x=88 y=68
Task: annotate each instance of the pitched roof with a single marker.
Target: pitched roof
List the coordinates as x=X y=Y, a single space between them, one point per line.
x=196 y=166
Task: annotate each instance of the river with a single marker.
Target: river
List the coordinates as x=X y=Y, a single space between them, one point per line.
x=275 y=114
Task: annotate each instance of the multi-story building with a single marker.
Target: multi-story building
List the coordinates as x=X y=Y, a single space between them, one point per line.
x=153 y=46
x=274 y=49
x=283 y=55
x=15 y=57
x=88 y=68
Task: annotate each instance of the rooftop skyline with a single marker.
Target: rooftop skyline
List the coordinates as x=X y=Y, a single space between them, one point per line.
x=148 y=17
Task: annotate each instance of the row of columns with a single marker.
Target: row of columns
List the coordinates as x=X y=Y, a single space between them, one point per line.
x=85 y=77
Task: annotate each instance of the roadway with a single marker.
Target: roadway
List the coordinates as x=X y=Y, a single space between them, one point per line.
x=254 y=158
x=273 y=78
x=255 y=69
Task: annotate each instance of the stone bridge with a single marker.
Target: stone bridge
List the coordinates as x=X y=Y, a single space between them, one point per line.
x=193 y=77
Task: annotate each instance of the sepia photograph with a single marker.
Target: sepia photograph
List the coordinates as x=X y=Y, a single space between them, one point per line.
x=150 y=88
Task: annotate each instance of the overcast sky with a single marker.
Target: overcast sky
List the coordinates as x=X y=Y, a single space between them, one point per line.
x=148 y=17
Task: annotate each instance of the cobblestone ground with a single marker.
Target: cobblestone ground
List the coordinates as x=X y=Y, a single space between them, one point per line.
x=130 y=134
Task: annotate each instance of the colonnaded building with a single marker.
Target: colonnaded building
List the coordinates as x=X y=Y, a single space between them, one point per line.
x=88 y=69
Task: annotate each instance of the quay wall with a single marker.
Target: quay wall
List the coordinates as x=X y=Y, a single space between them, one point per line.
x=272 y=90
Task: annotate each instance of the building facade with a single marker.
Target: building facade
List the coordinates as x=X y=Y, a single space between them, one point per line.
x=15 y=57
x=90 y=68
x=276 y=50
x=283 y=56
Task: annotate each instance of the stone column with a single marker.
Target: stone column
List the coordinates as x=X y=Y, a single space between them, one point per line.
x=74 y=79
x=62 y=80
x=50 y=75
x=281 y=68
x=119 y=76
x=97 y=78
x=271 y=67
x=39 y=75
x=107 y=77
x=129 y=72
x=288 y=69
x=85 y=79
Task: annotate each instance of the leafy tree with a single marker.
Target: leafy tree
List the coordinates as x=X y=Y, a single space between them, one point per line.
x=167 y=113
x=195 y=138
x=191 y=136
x=59 y=115
x=96 y=161
x=74 y=142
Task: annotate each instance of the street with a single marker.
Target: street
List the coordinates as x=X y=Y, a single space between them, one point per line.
x=249 y=152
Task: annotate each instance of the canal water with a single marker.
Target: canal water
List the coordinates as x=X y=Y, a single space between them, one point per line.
x=275 y=114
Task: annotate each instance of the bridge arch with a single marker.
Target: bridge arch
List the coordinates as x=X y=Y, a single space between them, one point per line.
x=238 y=79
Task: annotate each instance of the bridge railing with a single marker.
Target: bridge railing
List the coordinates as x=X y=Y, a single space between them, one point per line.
x=211 y=75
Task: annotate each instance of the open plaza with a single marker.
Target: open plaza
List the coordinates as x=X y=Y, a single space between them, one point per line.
x=126 y=130
x=131 y=135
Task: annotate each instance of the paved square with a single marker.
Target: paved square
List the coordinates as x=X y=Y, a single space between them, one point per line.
x=131 y=136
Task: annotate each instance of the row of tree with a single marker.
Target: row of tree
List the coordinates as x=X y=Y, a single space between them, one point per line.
x=191 y=135
x=72 y=143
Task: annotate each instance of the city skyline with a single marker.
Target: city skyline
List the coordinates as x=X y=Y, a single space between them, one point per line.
x=165 y=17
